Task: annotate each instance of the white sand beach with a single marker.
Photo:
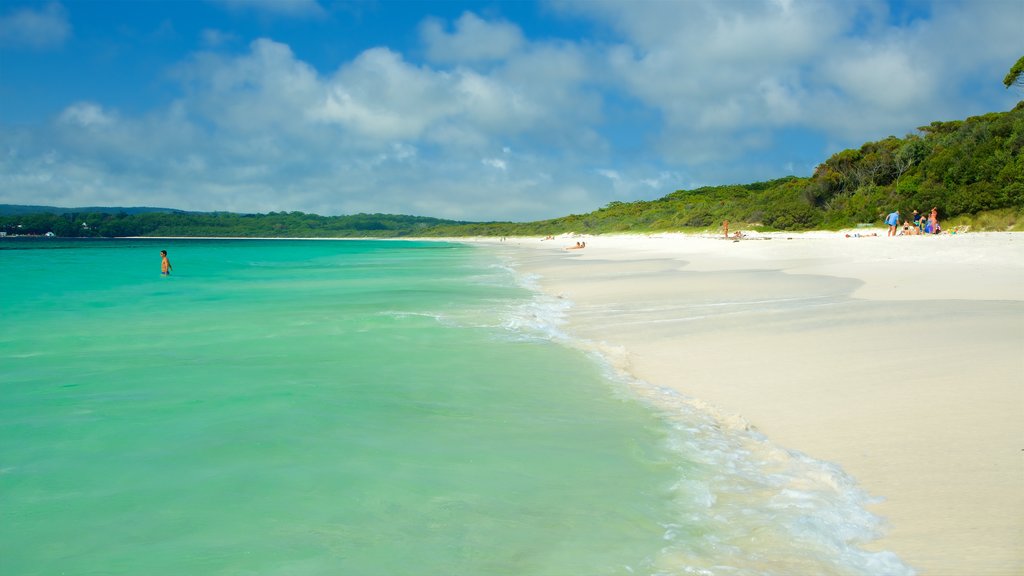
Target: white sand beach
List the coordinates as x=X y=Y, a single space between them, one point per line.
x=899 y=359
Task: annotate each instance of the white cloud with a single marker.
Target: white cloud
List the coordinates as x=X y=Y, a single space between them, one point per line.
x=880 y=76
x=277 y=8
x=44 y=28
x=86 y=115
x=474 y=39
x=265 y=89
x=381 y=96
x=664 y=182
x=213 y=38
x=496 y=163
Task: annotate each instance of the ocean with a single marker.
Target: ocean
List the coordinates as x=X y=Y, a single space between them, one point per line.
x=365 y=408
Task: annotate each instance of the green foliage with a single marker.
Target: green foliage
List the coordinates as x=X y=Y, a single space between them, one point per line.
x=1014 y=75
x=219 y=224
x=1003 y=220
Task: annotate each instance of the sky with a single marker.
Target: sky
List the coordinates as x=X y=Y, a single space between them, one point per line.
x=474 y=111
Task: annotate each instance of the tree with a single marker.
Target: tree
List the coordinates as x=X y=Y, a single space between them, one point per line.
x=911 y=152
x=1014 y=75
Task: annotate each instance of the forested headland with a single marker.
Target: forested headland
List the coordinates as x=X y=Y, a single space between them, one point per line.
x=971 y=170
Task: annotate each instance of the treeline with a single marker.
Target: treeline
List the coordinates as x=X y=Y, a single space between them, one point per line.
x=963 y=168
x=218 y=224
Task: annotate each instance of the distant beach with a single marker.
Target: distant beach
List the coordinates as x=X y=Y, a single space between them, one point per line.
x=900 y=359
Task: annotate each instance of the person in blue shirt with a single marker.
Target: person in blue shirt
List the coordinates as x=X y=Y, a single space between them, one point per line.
x=893 y=220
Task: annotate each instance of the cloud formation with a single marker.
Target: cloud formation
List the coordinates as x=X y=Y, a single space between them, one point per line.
x=473 y=40
x=277 y=8
x=494 y=124
x=38 y=28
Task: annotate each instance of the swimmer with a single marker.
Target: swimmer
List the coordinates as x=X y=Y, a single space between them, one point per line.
x=165 y=264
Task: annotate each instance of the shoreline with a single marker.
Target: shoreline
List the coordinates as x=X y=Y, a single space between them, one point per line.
x=898 y=359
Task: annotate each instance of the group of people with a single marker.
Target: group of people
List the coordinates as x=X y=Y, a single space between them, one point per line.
x=920 y=224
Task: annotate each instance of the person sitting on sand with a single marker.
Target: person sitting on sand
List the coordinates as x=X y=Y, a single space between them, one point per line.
x=578 y=246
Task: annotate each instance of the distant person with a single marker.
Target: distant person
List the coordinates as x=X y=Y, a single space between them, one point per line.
x=933 y=221
x=165 y=264
x=893 y=220
x=917 y=218
x=725 y=226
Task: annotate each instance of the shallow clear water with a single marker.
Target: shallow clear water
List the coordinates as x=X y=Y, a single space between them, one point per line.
x=361 y=407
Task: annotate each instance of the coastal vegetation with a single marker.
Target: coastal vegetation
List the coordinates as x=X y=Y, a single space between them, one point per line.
x=121 y=222
x=971 y=170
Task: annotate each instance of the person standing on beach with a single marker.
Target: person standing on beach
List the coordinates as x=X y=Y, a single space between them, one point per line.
x=933 y=221
x=893 y=221
x=165 y=264
x=725 y=226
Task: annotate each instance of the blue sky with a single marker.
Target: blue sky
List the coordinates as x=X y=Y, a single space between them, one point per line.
x=469 y=110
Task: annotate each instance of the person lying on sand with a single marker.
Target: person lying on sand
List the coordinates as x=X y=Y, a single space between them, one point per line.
x=578 y=246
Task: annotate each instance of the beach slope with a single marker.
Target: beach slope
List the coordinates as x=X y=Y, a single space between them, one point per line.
x=899 y=359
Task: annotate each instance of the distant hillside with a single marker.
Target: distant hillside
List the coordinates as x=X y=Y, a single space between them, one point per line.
x=17 y=210
x=113 y=223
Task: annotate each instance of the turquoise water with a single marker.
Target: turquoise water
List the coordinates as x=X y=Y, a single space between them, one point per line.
x=363 y=408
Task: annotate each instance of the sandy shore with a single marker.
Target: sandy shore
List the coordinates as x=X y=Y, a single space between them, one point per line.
x=899 y=359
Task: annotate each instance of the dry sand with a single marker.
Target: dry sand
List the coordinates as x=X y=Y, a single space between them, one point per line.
x=899 y=359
